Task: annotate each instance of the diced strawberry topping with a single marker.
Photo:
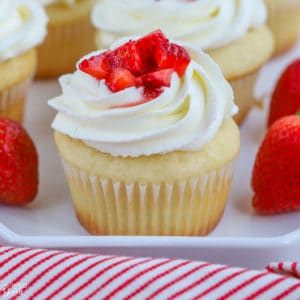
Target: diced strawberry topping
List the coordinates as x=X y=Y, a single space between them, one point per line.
x=147 y=46
x=150 y=94
x=157 y=79
x=96 y=66
x=171 y=55
x=126 y=57
x=120 y=79
x=152 y=40
x=147 y=62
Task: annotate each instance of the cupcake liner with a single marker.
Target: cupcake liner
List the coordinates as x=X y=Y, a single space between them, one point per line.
x=243 y=89
x=64 y=45
x=191 y=207
x=12 y=100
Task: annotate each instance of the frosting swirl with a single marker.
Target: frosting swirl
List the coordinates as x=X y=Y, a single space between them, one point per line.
x=205 y=24
x=22 y=27
x=185 y=116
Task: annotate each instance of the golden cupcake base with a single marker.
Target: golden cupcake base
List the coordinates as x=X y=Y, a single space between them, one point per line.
x=177 y=193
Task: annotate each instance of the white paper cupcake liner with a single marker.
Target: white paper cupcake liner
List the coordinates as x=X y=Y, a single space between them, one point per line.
x=12 y=100
x=191 y=207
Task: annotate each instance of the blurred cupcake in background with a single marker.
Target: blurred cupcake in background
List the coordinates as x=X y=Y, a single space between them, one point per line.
x=232 y=32
x=284 y=21
x=70 y=36
x=22 y=28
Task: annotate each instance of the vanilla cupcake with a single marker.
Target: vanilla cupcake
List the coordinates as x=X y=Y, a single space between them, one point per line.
x=70 y=36
x=22 y=28
x=146 y=139
x=284 y=21
x=233 y=32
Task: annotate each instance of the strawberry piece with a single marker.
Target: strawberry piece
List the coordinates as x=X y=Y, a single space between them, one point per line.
x=276 y=176
x=126 y=57
x=285 y=99
x=150 y=93
x=152 y=82
x=148 y=61
x=18 y=164
x=120 y=79
x=146 y=46
x=152 y=41
x=157 y=79
x=174 y=56
x=97 y=66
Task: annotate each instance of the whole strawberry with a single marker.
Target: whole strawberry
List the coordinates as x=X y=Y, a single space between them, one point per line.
x=18 y=164
x=285 y=99
x=276 y=172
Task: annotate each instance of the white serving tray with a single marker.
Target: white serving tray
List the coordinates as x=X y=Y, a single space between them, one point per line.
x=242 y=238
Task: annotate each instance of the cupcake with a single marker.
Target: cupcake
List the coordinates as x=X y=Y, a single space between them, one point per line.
x=284 y=21
x=70 y=36
x=232 y=32
x=146 y=137
x=22 y=28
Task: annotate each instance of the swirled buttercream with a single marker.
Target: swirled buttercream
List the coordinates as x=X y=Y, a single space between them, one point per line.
x=22 y=26
x=185 y=116
x=205 y=24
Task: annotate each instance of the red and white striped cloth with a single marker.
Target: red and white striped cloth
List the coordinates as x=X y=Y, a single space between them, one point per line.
x=42 y=274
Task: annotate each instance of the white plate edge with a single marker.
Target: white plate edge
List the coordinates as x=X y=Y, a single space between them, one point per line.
x=11 y=238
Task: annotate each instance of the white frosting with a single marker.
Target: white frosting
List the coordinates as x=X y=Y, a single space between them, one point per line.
x=205 y=24
x=48 y=2
x=186 y=116
x=22 y=26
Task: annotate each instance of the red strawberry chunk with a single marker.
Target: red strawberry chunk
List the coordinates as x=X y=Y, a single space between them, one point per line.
x=126 y=57
x=157 y=79
x=120 y=79
x=150 y=93
x=146 y=46
x=96 y=66
x=174 y=56
x=153 y=82
x=148 y=62
x=152 y=40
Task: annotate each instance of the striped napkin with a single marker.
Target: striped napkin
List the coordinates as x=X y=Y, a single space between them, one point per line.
x=43 y=274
